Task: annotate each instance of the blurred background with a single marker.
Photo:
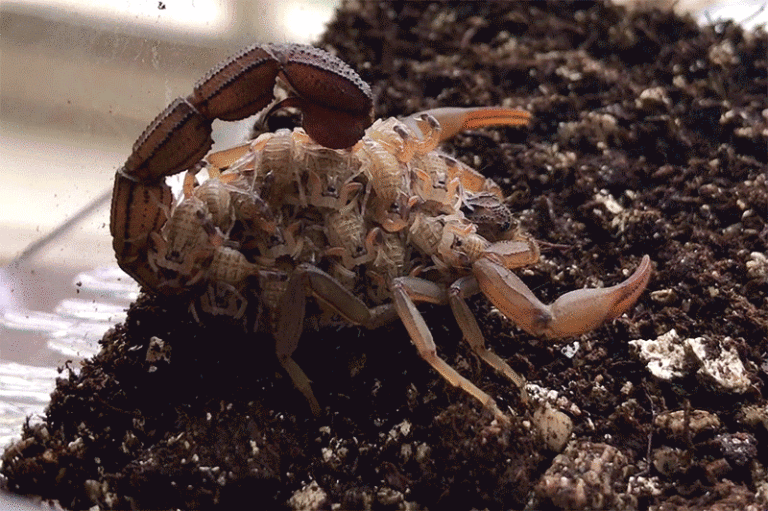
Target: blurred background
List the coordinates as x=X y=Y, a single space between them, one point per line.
x=79 y=81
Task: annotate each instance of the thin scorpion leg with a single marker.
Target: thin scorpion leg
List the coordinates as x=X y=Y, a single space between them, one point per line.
x=405 y=291
x=459 y=291
x=308 y=280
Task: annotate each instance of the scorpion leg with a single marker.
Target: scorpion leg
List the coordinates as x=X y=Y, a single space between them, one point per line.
x=406 y=290
x=514 y=253
x=308 y=280
x=459 y=291
x=221 y=160
x=572 y=314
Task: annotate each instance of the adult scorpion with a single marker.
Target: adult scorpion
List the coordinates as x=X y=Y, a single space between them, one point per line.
x=367 y=218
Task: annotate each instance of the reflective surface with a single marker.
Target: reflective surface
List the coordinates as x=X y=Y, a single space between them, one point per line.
x=36 y=342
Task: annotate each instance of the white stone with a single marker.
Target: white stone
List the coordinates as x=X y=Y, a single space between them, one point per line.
x=726 y=370
x=664 y=356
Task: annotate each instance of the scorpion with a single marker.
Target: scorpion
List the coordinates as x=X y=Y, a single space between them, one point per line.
x=367 y=218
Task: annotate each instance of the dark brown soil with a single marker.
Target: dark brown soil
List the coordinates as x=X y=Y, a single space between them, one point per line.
x=650 y=136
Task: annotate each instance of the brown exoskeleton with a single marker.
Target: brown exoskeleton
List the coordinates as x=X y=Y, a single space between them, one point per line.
x=334 y=207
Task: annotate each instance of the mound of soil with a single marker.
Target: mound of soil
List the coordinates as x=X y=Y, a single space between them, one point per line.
x=649 y=136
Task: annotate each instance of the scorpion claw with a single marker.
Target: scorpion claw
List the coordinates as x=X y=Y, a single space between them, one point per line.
x=582 y=310
x=570 y=315
x=454 y=120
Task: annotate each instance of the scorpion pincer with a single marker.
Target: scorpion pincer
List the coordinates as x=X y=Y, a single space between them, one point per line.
x=369 y=219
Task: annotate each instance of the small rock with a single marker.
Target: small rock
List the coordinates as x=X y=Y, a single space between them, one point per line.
x=723 y=496
x=699 y=421
x=644 y=486
x=158 y=351
x=757 y=266
x=554 y=426
x=717 y=469
x=668 y=357
x=389 y=497
x=586 y=475
x=670 y=461
x=664 y=297
x=664 y=356
x=723 y=54
x=725 y=370
x=754 y=416
x=653 y=98
x=308 y=498
x=738 y=448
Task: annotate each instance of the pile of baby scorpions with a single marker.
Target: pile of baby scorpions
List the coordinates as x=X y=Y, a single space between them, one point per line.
x=368 y=218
